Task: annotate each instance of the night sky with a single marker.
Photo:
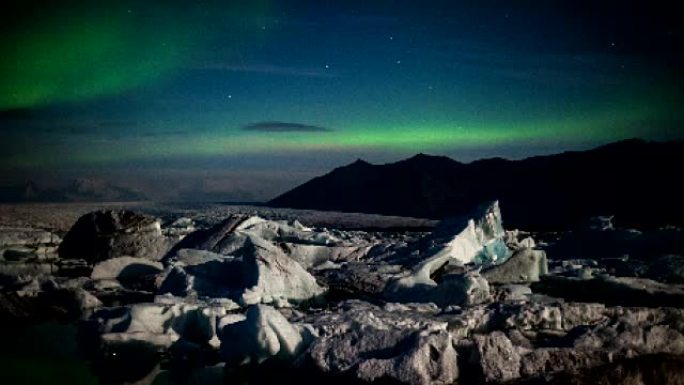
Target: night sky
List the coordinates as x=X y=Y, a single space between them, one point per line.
x=206 y=100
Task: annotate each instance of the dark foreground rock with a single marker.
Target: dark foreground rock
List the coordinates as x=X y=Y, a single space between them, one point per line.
x=101 y=235
x=613 y=291
x=661 y=369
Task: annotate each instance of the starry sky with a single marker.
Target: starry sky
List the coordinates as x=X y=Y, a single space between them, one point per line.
x=243 y=100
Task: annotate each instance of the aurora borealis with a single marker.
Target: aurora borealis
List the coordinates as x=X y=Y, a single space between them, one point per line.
x=145 y=93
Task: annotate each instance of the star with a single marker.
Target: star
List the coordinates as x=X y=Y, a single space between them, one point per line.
x=612 y=44
x=391 y=37
x=327 y=66
x=398 y=61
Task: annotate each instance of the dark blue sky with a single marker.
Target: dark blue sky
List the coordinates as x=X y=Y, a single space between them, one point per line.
x=225 y=100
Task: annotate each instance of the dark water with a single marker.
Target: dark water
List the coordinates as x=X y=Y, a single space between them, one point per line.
x=50 y=353
x=42 y=354
x=54 y=353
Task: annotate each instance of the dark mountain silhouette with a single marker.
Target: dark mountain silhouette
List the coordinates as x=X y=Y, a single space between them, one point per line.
x=635 y=180
x=78 y=190
x=98 y=190
x=25 y=192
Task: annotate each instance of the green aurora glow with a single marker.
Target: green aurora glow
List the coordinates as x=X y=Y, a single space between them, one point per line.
x=419 y=137
x=99 y=49
x=106 y=85
x=78 y=58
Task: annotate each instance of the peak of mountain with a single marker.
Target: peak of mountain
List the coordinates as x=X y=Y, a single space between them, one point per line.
x=359 y=163
x=544 y=192
x=424 y=160
x=357 y=167
x=420 y=157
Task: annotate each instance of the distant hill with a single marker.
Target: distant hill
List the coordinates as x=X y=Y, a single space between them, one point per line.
x=637 y=181
x=78 y=190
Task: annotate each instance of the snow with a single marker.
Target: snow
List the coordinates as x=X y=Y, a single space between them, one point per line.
x=263 y=334
x=482 y=242
x=125 y=268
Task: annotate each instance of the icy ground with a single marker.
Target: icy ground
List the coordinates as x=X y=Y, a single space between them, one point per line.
x=219 y=293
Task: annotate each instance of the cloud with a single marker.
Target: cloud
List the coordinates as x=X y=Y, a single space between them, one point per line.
x=284 y=127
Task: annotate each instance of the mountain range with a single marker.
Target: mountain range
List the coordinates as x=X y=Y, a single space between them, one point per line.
x=78 y=190
x=634 y=180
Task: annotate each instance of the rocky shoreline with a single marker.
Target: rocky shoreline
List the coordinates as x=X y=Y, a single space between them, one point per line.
x=249 y=297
